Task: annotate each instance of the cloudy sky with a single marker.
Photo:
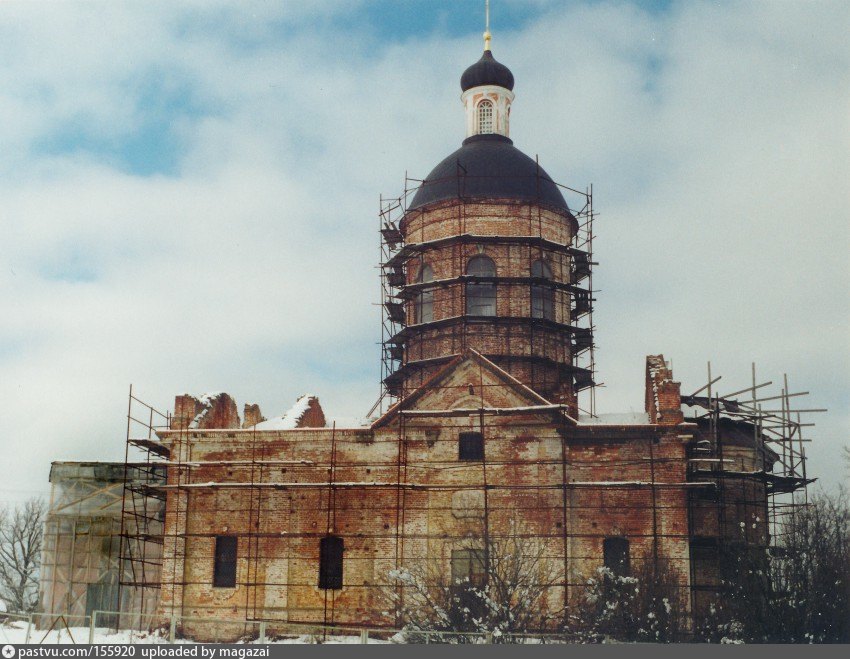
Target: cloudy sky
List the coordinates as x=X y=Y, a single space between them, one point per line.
x=189 y=195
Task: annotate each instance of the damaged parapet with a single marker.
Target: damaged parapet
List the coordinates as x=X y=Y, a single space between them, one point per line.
x=219 y=411
x=216 y=410
x=306 y=413
x=663 y=395
x=252 y=415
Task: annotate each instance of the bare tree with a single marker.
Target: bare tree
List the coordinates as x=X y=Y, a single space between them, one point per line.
x=642 y=606
x=21 y=531
x=512 y=587
x=812 y=573
x=795 y=592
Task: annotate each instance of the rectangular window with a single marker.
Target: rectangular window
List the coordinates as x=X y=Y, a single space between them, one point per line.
x=542 y=302
x=616 y=555
x=480 y=299
x=330 y=562
x=468 y=564
x=425 y=307
x=471 y=446
x=224 y=570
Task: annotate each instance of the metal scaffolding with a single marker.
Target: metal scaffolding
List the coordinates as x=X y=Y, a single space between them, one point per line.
x=142 y=512
x=576 y=364
x=770 y=484
x=745 y=461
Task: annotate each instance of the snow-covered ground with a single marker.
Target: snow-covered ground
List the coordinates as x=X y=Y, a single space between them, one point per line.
x=16 y=633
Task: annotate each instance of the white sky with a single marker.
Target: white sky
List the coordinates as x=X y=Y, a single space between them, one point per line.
x=188 y=199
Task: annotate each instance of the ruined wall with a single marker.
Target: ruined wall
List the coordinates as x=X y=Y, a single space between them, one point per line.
x=729 y=521
x=400 y=496
x=443 y=508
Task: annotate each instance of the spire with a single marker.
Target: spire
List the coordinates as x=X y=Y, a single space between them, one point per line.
x=487 y=35
x=487 y=88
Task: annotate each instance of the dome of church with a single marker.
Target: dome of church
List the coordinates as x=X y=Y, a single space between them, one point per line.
x=489 y=166
x=487 y=71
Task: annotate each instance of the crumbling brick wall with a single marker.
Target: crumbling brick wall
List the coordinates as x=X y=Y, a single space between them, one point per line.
x=279 y=525
x=534 y=353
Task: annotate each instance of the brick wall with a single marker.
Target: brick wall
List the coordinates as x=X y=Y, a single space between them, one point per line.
x=518 y=348
x=384 y=527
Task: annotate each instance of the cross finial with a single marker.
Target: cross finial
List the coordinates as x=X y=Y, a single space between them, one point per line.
x=487 y=34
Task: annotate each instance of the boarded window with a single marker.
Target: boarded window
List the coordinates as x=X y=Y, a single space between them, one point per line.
x=468 y=564
x=616 y=555
x=470 y=446
x=224 y=571
x=330 y=562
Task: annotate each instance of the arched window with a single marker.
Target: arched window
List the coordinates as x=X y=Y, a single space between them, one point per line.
x=481 y=295
x=485 y=117
x=424 y=305
x=542 y=296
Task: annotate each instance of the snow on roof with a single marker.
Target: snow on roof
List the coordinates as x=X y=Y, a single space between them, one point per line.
x=618 y=419
x=349 y=422
x=207 y=401
x=288 y=421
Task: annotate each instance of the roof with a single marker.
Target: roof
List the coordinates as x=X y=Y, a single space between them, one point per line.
x=529 y=396
x=616 y=419
x=487 y=71
x=489 y=167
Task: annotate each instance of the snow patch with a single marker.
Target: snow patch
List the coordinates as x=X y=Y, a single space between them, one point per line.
x=290 y=420
x=620 y=419
x=207 y=400
x=348 y=422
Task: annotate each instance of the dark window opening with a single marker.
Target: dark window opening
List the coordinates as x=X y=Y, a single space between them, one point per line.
x=481 y=296
x=330 y=562
x=224 y=571
x=616 y=555
x=471 y=446
x=542 y=296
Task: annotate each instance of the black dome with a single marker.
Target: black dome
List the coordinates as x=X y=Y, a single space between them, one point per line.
x=487 y=71
x=489 y=166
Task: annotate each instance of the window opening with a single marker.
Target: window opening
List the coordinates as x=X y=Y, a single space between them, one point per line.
x=330 y=562
x=468 y=564
x=470 y=446
x=424 y=309
x=542 y=296
x=224 y=570
x=485 y=117
x=481 y=296
x=615 y=553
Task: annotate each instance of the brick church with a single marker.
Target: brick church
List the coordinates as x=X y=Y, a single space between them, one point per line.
x=295 y=520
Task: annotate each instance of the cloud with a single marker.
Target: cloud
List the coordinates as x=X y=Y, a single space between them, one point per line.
x=189 y=196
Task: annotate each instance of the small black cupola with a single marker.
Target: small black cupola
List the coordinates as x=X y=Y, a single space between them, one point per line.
x=487 y=71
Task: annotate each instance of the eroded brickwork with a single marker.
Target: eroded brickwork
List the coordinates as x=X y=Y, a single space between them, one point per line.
x=398 y=494
x=537 y=351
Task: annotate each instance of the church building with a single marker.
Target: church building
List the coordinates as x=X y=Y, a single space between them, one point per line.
x=488 y=347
